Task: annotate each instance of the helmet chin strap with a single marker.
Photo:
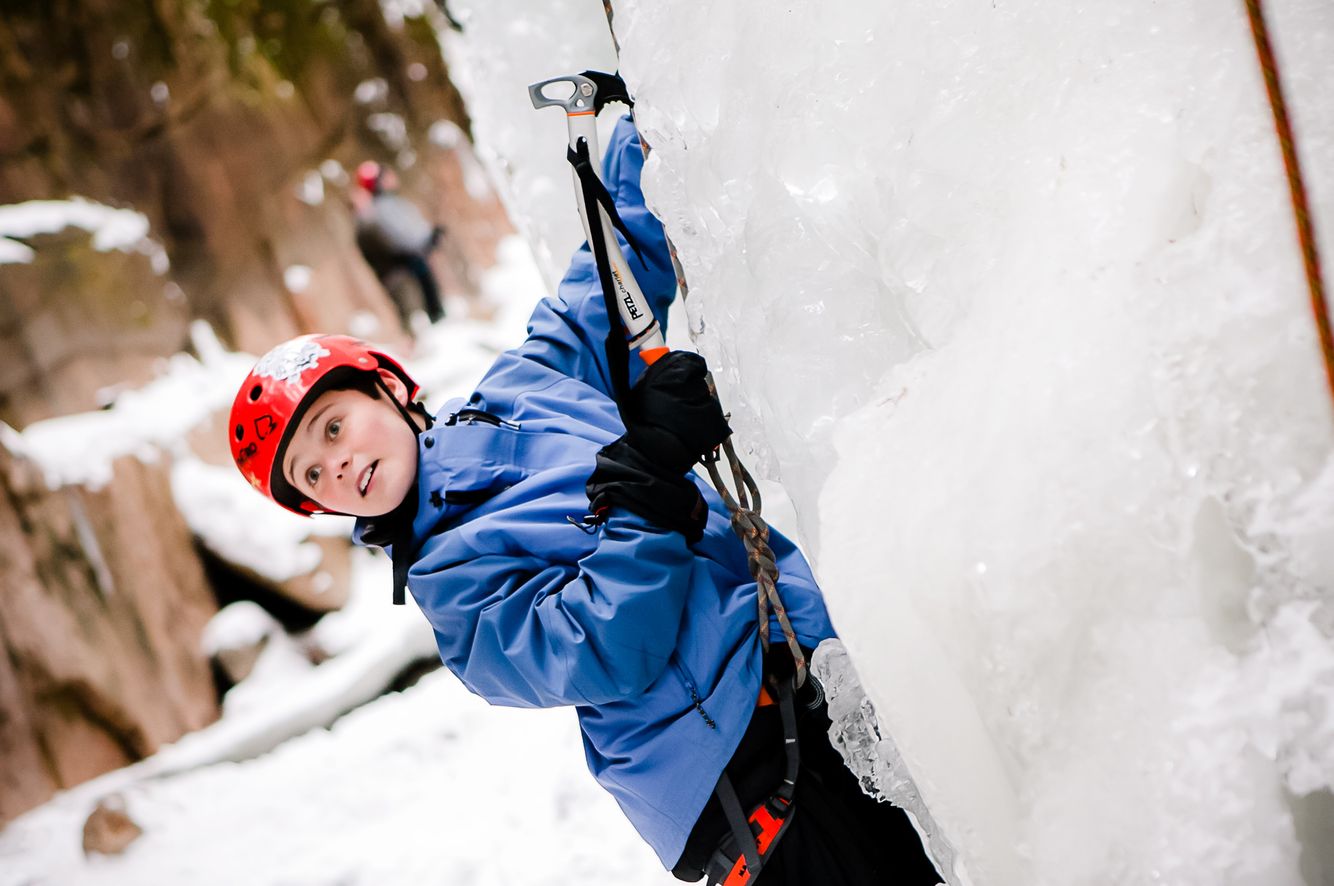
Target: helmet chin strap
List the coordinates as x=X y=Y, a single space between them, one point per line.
x=406 y=411
x=395 y=527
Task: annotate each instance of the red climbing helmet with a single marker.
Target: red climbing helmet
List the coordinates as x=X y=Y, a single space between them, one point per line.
x=368 y=176
x=273 y=398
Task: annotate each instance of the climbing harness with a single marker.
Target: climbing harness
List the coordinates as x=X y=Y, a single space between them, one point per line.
x=1305 y=229
x=752 y=837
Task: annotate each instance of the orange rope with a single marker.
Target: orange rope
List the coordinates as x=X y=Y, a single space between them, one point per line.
x=1305 y=230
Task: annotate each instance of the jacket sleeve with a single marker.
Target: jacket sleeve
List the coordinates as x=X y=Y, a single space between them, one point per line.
x=521 y=631
x=567 y=332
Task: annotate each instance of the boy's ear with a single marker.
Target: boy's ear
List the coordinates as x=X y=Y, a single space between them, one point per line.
x=394 y=385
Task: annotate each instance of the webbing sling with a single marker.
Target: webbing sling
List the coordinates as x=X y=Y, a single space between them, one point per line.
x=595 y=195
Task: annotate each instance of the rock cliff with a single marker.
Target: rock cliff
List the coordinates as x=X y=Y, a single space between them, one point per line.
x=231 y=127
x=102 y=604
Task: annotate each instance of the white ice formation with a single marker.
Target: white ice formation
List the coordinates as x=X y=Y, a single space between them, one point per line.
x=1009 y=297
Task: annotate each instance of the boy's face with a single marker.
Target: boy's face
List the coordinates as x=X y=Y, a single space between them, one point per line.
x=352 y=453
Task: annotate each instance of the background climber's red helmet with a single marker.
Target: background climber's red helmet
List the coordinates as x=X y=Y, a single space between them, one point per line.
x=368 y=176
x=275 y=395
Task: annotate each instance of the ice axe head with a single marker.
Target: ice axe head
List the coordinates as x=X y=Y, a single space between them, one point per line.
x=575 y=93
x=580 y=93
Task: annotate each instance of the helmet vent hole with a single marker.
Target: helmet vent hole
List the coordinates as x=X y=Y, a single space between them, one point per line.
x=240 y=432
x=255 y=392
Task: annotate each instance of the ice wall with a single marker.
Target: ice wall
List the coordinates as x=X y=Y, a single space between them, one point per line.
x=503 y=47
x=1008 y=295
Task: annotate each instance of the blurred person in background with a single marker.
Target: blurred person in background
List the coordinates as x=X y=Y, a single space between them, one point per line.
x=397 y=241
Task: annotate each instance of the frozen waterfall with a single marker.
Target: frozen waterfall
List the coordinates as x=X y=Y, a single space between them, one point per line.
x=1008 y=297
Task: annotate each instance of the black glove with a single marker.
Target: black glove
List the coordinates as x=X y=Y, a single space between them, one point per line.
x=671 y=420
x=671 y=417
x=627 y=478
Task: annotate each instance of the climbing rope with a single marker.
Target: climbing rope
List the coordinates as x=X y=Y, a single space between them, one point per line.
x=1305 y=230
x=754 y=533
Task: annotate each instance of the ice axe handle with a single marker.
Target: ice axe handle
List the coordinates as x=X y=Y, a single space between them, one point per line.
x=577 y=95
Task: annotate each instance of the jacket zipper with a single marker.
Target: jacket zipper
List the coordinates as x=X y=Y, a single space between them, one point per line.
x=696 y=702
x=473 y=416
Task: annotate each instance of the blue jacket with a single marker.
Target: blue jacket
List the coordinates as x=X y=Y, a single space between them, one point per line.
x=653 y=641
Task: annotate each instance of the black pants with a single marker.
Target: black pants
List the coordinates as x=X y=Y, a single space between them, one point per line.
x=421 y=270
x=840 y=836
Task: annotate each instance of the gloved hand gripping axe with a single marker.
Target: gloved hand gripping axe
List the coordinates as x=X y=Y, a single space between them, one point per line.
x=585 y=95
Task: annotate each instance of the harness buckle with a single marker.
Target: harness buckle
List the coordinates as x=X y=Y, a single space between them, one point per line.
x=766 y=824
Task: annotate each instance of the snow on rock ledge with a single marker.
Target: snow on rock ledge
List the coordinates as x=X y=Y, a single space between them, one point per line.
x=79 y=448
x=122 y=229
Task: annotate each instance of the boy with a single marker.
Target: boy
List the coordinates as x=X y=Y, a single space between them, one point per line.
x=640 y=614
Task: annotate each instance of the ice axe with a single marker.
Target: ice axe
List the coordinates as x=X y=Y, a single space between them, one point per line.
x=583 y=96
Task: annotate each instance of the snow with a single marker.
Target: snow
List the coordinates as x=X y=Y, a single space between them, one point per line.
x=241 y=624
x=393 y=794
x=14 y=253
x=297 y=277
x=390 y=128
x=504 y=48
x=1009 y=298
x=371 y=92
x=310 y=190
x=121 y=229
x=451 y=357
x=363 y=324
x=447 y=135
x=430 y=785
x=396 y=11
x=80 y=448
x=333 y=172
x=242 y=528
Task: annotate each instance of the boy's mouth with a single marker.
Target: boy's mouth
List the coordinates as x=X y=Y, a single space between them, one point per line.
x=365 y=482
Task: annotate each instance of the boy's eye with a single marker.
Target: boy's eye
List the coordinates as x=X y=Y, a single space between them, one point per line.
x=313 y=476
x=334 y=427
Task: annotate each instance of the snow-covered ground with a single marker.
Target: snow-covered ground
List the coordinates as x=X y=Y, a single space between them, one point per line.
x=430 y=785
x=1008 y=295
